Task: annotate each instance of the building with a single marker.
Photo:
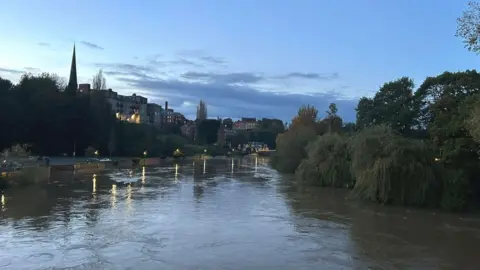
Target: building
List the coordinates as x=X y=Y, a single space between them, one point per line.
x=189 y=129
x=178 y=118
x=229 y=132
x=155 y=114
x=245 y=124
x=72 y=86
x=128 y=108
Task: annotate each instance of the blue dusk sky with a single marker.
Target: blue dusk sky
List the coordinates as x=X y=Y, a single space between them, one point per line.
x=258 y=58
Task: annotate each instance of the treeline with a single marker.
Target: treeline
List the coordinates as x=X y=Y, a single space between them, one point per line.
x=408 y=146
x=266 y=132
x=38 y=112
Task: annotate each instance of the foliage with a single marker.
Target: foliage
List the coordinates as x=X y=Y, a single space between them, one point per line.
x=393 y=105
x=207 y=131
x=389 y=168
x=328 y=162
x=468 y=26
x=38 y=112
x=291 y=148
x=17 y=150
x=307 y=115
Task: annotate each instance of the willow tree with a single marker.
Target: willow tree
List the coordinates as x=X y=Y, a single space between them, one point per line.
x=290 y=149
x=328 y=162
x=389 y=168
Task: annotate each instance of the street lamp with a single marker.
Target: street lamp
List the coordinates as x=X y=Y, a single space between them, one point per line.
x=96 y=153
x=145 y=153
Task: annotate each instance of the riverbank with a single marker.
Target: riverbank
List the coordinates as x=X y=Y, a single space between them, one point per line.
x=70 y=167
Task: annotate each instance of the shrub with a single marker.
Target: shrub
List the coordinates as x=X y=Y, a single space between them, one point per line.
x=291 y=148
x=389 y=168
x=328 y=162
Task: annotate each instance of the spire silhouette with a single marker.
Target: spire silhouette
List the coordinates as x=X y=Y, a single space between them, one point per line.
x=72 y=81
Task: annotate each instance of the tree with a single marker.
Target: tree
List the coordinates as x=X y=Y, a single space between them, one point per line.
x=468 y=27
x=98 y=81
x=112 y=142
x=393 y=105
x=307 y=115
x=365 y=110
x=201 y=111
x=207 y=131
x=332 y=110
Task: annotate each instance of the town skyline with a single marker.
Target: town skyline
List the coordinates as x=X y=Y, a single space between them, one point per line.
x=279 y=56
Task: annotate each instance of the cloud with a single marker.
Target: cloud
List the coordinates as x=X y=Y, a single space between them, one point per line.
x=239 y=100
x=228 y=78
x=312 y=76
x=128 y=70
x=31 y=69
x=228 y=94
x=186 y=62
x=43 y=44
x=11 y=71
x=213 y=60
x=202 y=56
x=91 y=45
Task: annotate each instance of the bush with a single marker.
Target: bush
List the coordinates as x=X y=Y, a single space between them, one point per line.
x=389 y=168
x=328 y=162
x=291 y=148
x=17 y=150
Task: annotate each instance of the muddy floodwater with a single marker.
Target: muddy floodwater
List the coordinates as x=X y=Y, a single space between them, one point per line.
x=220 y=214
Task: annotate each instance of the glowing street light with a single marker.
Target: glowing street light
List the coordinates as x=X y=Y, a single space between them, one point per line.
x=145 y=153
x=96 y=153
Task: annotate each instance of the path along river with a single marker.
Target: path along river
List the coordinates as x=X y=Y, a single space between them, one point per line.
x=221 y=214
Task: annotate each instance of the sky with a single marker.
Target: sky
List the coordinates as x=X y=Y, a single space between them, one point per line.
x=251 y=58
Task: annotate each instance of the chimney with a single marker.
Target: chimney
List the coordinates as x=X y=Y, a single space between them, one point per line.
x=165 y=115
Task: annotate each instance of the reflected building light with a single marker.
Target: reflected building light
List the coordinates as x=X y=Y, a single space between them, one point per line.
x=114 y=195
x=143 y=175
x=176 y=172
x=94 y=184
x=128 y=202
x=204 y=166
x=4 y=201
x=233 y=164
x=256 y=163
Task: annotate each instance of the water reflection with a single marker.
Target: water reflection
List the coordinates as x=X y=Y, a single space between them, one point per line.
x=176 y=172
x=223 y=213
x=94 y=184
x=113 y=193
x=204 y=166
x=128 y=201
x=4 y=201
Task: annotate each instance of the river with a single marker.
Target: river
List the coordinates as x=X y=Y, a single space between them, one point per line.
x=221 y=214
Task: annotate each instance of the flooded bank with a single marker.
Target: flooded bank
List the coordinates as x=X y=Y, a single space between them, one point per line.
x=220 y=214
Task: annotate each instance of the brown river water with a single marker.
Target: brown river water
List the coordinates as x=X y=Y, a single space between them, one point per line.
x=220 y=214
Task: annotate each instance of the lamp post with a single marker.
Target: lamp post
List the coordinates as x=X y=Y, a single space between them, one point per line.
x=145 y=154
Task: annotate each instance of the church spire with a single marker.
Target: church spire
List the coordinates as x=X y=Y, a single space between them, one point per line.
x=72 y=81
